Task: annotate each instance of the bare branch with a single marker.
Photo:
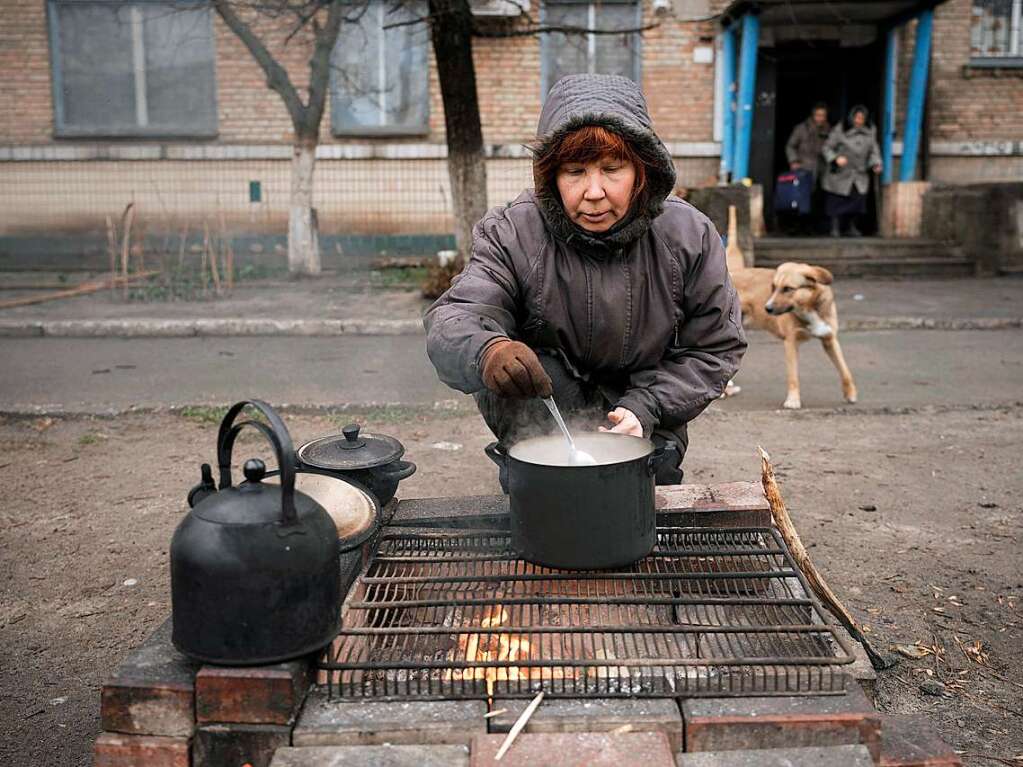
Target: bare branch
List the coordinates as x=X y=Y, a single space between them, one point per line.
x=277 y=78
x=319 y=65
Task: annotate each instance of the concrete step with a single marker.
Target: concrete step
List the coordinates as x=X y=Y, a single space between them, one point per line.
x=814 y=756
x=867 y=256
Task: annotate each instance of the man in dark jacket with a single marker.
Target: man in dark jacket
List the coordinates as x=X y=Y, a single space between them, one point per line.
x=803 y=152
x=620 y=307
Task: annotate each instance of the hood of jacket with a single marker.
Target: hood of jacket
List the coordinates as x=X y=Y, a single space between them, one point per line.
x=617 y=104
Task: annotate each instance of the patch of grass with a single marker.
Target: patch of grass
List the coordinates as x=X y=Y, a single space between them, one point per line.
x=88 y=439
x=376 y=415
x=204 y=414
x=398 y=278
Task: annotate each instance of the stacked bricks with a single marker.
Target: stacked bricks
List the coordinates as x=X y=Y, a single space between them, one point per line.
x=162 y=710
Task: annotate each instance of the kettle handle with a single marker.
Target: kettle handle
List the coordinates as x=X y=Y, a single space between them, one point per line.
x=278 y=436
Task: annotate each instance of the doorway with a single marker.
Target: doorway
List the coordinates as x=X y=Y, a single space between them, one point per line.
x=791 y=77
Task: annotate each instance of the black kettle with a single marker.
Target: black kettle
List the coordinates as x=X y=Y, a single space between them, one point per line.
x=255 y=572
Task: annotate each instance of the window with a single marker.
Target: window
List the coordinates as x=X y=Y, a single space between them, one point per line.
x=995 y=29
x=379 y=72
x=132 y=69
x=569 y=54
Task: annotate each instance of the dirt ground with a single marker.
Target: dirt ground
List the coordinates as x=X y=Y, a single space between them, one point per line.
x=916 y=518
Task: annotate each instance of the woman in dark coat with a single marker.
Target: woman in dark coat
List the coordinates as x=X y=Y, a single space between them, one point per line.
x=852 y=154
x=598 y=287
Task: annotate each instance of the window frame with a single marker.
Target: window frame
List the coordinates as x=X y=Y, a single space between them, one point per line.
x=545 y=40
x=60 y=127
x=382 y=131
x=1014 y=56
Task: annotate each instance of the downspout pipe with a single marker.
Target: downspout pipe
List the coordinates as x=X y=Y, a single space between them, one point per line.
x=744 y=105
x=888 y=114
x=728 y=101
x=917 y=95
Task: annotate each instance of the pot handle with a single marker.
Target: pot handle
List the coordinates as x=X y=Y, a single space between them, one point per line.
x=496 y=454
x=278 y=436
x=397 y=471
x=660 y=455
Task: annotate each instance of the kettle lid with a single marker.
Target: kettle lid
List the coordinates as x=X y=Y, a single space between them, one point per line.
x=251 y=503
x=351 y=450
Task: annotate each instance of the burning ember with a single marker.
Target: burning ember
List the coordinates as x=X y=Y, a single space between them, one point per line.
x=497 y=646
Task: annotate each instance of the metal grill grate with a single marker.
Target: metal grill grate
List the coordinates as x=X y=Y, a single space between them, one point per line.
x=459 y=615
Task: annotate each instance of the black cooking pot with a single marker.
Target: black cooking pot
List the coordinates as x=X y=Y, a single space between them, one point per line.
x=371 y=460
x=583 y=517
x=255 y=576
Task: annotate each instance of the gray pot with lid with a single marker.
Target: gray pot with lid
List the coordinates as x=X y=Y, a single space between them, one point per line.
x=372 y=460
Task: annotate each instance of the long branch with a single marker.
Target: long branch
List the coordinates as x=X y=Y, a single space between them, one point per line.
x=319 y=66
x=548 y=29
x=276 y=76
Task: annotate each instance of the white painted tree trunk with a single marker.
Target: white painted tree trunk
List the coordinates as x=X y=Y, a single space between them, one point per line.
x=303 y=233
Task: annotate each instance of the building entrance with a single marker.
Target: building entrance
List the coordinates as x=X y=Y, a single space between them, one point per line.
x=791 y=77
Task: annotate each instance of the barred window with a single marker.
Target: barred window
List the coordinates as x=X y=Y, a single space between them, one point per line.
x=132 y=68
x=607 y=54
x=995 y=29
x=379 y=71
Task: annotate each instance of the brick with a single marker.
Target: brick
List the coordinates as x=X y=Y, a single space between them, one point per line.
x=649 y=749
x=234 y=745
x=118 y=750
x=372 y=756
x=908 y=741
x=812 y=756
x=729 y=504
x=600 y=715
x=326 y=722
x=253 y=695
x=152 y=691
x=723 y=724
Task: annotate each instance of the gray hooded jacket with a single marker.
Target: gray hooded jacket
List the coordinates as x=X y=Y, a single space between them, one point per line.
x=645 y=309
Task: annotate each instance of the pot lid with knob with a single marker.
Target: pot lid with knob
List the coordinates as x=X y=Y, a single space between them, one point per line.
x=351 y=450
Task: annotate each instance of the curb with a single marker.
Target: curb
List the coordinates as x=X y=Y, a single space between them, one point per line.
x=226 y=327
x=153 y=328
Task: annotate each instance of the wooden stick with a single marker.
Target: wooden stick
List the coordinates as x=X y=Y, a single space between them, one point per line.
x=91 y=286
x=127 y=218
x=734 y=258
x=517 y=727
x=820 y=587
x=112 y=248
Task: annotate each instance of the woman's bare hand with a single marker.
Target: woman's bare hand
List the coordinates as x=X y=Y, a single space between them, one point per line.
x=841 y=161
x=624 y=422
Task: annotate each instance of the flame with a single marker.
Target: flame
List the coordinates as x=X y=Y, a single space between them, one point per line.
x=493 y=647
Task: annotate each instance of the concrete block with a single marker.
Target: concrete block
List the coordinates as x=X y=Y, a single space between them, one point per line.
x=813 y=756
x=152 y=691
x=724 y=724
x=253 y=695
x=336 y=722
x=908 y=741
x=729 y=504
x=234 y=745
x=599 y=715
x=372 y=756
x=118 y=750
x=649 y=749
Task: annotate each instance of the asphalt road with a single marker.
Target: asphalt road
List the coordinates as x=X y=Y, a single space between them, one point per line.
x=896 y=369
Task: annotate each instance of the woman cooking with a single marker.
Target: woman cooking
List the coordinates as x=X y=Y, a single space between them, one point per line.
x=594 y=288
x=852 y=153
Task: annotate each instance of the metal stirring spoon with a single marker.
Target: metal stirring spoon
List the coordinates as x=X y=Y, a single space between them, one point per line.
x=576 y=456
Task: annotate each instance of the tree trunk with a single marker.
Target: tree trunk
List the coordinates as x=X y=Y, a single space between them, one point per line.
x=303 y=233
x=452 y=46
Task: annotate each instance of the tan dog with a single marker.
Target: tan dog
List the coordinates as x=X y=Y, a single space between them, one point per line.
x=795 y=303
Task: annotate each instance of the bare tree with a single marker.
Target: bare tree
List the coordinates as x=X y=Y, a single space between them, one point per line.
x=324 y=19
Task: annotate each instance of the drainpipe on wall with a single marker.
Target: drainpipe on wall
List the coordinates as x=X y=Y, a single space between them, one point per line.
x=744 y=106
x=917 y=96
x=728 y=101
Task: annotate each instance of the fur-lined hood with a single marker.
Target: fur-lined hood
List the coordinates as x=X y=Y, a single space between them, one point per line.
x=615 y=103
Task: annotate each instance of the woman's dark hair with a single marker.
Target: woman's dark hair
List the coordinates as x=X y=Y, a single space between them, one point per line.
x=852 y=114
x=587 y=144
x=819 y=105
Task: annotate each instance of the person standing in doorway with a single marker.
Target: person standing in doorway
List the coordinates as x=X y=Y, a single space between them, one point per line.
x=803 y=152
x=852 y=154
